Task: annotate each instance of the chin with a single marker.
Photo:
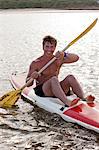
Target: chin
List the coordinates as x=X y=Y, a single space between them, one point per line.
x=49 y=53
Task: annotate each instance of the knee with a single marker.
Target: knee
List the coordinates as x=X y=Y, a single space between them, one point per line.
x=71 y=77
x=54 y=79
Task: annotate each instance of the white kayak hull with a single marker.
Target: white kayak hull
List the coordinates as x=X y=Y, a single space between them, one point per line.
x=82 y=113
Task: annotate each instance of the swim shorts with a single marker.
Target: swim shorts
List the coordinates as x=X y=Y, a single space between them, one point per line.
x=39 y=91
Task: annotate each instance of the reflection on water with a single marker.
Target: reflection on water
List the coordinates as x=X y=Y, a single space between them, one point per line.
x=21 y=33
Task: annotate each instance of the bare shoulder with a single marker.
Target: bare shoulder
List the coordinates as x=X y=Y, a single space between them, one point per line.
x=36 y=62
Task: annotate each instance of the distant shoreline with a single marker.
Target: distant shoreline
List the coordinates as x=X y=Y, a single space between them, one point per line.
x=73 y=8
x=50 y=4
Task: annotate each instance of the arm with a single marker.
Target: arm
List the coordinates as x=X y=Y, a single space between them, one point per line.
x=64 y=57
x=70 y=58
x=32 y=73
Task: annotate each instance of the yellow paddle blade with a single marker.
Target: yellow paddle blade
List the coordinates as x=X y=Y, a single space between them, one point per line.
x=9 y=99
x=81 y=34
x=84 y=32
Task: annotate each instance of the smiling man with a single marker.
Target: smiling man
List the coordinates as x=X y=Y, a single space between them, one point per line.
x=47 y=83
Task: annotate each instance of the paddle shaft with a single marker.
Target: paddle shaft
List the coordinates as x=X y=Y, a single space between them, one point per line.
x=70 y=44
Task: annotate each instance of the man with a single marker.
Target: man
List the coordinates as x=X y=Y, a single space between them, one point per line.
x=47 y=83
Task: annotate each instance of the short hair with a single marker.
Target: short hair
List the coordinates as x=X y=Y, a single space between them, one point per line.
x=50 y=39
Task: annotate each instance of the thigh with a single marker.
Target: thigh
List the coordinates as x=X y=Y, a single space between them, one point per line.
x=47 y=88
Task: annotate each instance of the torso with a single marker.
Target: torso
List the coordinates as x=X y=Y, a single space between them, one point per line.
x=52 y=70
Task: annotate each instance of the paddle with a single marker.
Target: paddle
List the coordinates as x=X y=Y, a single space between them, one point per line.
x=9 y=99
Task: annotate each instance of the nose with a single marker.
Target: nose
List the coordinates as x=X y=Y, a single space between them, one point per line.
x=49 y=47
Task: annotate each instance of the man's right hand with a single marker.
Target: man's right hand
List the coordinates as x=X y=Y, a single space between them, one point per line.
x=35 y=75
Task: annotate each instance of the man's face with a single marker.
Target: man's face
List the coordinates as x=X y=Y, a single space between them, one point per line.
x=49 y=48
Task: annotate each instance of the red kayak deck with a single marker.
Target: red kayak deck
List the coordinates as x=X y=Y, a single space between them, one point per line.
x=84 y=113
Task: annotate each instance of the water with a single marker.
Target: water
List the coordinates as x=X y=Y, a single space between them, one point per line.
x=21 y=33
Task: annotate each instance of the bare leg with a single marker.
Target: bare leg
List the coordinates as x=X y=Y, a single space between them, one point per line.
x=70 y=81
x=52 y=87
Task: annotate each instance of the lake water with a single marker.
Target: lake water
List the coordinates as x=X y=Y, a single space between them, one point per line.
x=21 y=33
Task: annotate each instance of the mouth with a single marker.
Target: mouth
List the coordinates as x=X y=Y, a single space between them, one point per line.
x=50 y=52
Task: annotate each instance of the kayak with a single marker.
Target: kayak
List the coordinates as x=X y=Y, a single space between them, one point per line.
x=86 y=115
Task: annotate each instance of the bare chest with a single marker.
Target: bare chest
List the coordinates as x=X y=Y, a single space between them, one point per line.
x=52 y=69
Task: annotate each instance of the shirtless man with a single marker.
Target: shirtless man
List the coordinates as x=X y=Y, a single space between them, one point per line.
x=47 y=83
